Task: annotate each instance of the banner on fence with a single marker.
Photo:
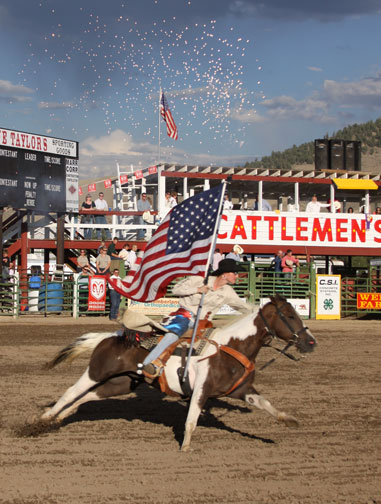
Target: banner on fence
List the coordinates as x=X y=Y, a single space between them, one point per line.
x=97 y=293
x=328 y=296
x=369 y=300
x=301 y=306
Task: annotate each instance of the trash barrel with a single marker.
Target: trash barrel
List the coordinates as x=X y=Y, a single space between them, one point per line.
x=33 y=299
x=52 y=296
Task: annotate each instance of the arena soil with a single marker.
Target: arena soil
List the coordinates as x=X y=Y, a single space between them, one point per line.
x=127 y=449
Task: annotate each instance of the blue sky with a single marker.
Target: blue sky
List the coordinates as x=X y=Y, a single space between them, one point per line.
x=242 y=77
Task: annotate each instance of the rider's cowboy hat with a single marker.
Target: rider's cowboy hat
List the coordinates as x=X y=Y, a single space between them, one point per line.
x=140 y=322
x=228 y=266
x=237 y=249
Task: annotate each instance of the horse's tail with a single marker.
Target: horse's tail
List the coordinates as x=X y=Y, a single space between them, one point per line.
x=83 y=344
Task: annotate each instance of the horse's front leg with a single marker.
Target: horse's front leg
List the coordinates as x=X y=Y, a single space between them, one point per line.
x=252 y=397
x=199 y=397
x=74 y=396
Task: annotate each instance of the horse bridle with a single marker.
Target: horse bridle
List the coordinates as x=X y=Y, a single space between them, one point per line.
x=295 y=335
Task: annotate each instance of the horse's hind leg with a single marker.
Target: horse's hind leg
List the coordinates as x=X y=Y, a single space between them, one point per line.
x=254 y=399
x=76 y=395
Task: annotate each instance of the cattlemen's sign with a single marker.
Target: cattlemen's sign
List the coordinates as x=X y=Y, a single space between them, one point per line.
x=37 y=172
x=300 y=229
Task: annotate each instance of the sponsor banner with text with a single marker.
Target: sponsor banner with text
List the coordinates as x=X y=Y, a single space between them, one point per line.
x=97 y=293
x=369 y=300
x=328 y=296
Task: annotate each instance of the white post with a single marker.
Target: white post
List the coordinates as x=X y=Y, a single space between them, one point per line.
x=260 y=189
x=296 y=198
x=367 y=202
x=206 y=184
x=161 y=186
x=75 y=295
x=332 y=197
x=185 y=188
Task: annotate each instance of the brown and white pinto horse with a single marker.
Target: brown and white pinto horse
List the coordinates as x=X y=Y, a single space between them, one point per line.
x=111 y=371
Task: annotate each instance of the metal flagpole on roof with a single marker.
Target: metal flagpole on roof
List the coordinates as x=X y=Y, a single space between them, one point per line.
x=211 y=252
x=159 y=160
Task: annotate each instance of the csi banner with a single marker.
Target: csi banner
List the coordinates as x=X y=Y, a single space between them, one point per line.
x=369 y=300
x=97 y=293
x=328 y=296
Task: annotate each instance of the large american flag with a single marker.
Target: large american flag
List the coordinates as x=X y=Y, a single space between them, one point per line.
x=180 y=246
x=167 y=116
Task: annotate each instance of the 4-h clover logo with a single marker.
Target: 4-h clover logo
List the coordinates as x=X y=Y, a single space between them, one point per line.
x=328 y=304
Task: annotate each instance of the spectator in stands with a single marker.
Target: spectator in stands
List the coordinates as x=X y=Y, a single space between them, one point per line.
x=101 y=204
x=235 y=253
x=82 y=262
x=123 y=254
x=276 y=263
x=114 y=254
x=266 y=207
x=378 y=211
x=87 y=206
x=143 y=206
x=173 y=199
x=103 y=262
x=217 y=257
x=228 y=205
x=132 y=256
x=350 y=210
x=288 y=263
x=314 y=205
x=114 y=298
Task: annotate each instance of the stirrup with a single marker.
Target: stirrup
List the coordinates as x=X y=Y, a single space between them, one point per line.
x=153 y=369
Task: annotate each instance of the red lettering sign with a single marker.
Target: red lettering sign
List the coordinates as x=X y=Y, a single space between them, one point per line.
x=138 y=174
x=91 y=188
x=107 y=183
x=152 y=169
x=123 y=179
x=80 y=191
x=97 y=293
x=369 y=300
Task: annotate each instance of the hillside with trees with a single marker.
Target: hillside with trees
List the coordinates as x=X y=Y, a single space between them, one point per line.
x=369 y=134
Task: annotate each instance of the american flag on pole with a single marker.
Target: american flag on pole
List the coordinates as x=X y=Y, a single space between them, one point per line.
x=179 y=247
x=167 y=116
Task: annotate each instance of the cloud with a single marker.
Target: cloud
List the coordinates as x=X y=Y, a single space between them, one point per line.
x=247 y=116
x=314 y=69
x=287 y=107
x=296 y=10
x=12 y=93
x=56 y=105
x=365 y=92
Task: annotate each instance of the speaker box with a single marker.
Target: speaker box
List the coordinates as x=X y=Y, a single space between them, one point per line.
x=336 y=154
x=321 y=154
x=352 y=155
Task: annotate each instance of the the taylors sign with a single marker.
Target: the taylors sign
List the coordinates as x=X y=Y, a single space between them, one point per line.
x=38 y=143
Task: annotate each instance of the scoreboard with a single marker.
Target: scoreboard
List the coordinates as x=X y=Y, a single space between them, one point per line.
x=38 y=172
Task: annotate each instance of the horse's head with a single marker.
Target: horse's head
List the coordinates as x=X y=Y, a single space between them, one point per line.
x=281 y=320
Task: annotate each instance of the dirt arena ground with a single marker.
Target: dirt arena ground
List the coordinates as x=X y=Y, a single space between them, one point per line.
x=127 y=449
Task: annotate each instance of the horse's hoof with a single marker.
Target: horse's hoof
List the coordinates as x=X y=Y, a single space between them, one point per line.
x=185 y=449
x=290 y=421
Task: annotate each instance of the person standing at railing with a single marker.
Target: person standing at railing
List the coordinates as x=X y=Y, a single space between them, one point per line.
x=276 y=263
x=87 y=206
x=143 y=205
x=114 y=297
x=314 y=205
x=101 y=204
x=288 y=263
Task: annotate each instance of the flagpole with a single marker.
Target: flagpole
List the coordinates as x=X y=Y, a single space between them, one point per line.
x=159 y=127
x=211 y=252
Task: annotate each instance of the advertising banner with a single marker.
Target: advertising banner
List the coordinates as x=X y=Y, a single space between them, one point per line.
x=301 y=306
x=369 y=300
x=328 y=296
x=97 y=293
